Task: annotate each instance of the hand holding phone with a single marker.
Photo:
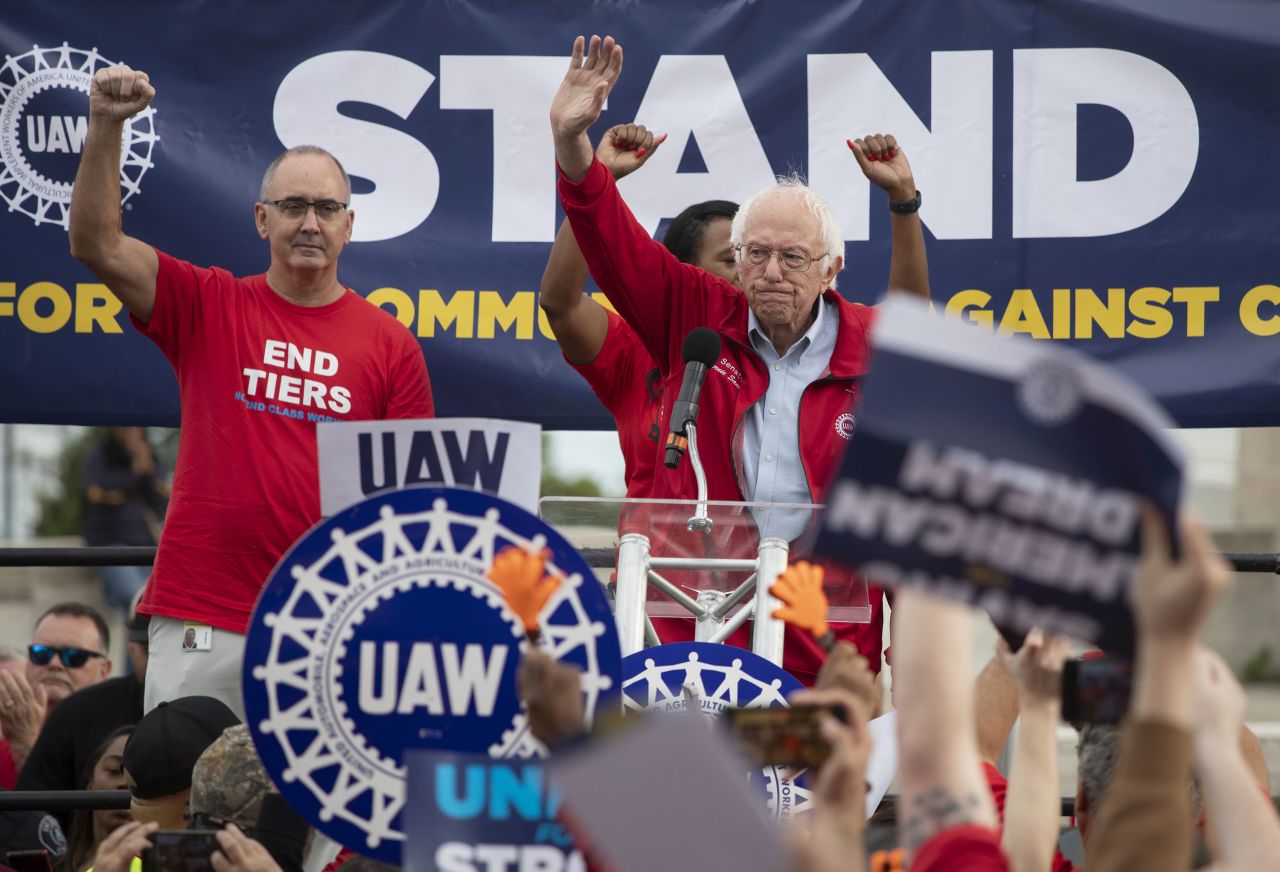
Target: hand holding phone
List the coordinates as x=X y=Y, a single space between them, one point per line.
x=1096 y=690
x=180 y=851
x=788 y=737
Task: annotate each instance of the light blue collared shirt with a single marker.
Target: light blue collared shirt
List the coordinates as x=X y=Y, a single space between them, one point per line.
x=772 y=469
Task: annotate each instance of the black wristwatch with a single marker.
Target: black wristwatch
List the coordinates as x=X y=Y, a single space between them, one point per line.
x=906 y=207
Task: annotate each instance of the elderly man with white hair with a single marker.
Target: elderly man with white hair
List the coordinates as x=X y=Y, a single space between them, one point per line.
x=776 y=411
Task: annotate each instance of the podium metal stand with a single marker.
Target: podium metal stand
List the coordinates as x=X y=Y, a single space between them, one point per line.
x=697 y=559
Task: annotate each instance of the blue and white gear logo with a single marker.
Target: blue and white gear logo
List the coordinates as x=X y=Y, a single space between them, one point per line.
x=379 y=632
x=716 y=677
x=44 y=117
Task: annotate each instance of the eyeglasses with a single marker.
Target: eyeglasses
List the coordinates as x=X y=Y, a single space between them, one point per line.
x=294 y=208
x=71 y=656
x=789 y=261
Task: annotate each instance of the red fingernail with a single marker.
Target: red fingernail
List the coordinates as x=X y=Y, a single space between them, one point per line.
x=872 y=157
x=891 y=153
x=640 y=152
x=663 y=137
x=849 y=142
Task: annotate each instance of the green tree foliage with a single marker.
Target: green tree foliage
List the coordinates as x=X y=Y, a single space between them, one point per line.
x=556 y=485
x=60 y=506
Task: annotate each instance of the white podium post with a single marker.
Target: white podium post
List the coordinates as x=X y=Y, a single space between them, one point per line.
x=766 y=638
x=633 y=583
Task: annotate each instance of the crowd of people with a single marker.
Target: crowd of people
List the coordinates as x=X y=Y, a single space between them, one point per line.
x=1180 y=782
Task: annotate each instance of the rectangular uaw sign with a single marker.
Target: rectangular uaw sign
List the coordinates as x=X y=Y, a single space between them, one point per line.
x=470 y=812
x=1000 y=472
x=359 y=458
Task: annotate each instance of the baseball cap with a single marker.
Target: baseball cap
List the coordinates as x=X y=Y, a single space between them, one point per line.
x=229 y=780
x=169 y=740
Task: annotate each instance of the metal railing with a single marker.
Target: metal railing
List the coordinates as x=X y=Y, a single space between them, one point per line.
x=597 y=558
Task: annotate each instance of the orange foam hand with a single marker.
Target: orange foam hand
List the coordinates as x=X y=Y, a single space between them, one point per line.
x=524 y=582
x=804 y=600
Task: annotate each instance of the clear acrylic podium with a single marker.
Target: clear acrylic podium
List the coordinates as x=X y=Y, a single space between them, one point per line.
x=705 y=561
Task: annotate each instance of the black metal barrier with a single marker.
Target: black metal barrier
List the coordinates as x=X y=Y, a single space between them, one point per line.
x=598 y=558
x=97 y=800
x=63 y=800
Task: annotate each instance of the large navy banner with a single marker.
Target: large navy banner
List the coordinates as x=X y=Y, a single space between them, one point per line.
x=1096 y=172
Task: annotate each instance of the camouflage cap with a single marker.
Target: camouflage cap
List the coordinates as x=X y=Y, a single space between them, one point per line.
x=229 y=780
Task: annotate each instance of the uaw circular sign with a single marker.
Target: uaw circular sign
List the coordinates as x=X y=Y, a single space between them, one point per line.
x=379 y=632
x=715 y=678
x=44 y=119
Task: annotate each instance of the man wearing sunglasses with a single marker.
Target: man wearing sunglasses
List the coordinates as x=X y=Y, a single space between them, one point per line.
x=67 y=653
x=259 y=361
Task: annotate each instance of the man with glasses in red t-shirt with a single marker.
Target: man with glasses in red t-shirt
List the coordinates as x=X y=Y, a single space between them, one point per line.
x=259 y=361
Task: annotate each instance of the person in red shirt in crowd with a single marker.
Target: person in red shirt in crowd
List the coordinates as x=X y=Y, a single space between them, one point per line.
x=597 y=342
x=259 y=361
x=67 y=653
x=776 y=411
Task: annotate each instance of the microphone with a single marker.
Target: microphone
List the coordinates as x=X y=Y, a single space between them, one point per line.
x=701 y=351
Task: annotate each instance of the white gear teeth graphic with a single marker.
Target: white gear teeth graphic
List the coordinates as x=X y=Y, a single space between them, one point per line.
x=23 y=188
x=348 y=777
x=662 y=686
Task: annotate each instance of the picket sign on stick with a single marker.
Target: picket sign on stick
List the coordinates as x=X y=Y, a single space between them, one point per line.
x=1004 y=473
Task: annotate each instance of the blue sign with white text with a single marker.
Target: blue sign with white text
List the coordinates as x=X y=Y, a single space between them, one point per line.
x=1001 y=473
x=378 y=632
x=472 y=812
x=1092 y=172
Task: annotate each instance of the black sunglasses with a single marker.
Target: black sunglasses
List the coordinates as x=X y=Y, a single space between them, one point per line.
x=71 y=656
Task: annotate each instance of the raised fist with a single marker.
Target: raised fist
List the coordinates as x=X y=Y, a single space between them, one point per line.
x=625 y=148
x=881 y=160
x=119 y=93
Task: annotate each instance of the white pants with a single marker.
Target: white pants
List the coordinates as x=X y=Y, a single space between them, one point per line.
x=173 y=672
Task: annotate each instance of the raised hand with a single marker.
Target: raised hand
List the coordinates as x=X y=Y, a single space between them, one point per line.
x=581 y=95
x=1219 y=701
x=1036 y=667
x=552 y=695
x=22 y=711
x=117 y=851
x=119 y=93
x=882 y=161
x=847 y=670
x=1171 y=599
x=522 y=577
x=804 y=600
x=240 y=853
x=625 y=148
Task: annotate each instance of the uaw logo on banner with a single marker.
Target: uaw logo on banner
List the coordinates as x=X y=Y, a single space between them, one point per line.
x=379 y=632
x=1002 y=473
x=44 y=118
x=716 y=678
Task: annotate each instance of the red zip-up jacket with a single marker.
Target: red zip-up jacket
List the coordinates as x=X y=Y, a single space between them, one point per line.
x=663 y=299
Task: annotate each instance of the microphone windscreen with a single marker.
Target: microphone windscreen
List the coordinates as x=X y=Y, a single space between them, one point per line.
x=702 y=345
